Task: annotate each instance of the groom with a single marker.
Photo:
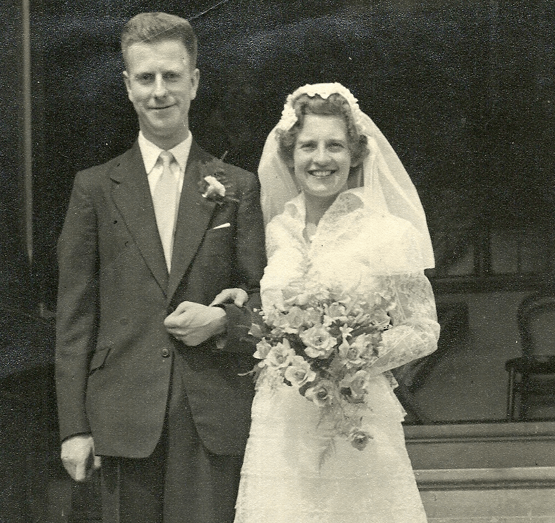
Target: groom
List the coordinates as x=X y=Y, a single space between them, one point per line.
x=148 y=374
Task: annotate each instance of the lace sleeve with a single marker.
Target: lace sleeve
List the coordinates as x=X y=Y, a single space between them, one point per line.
x=286 y=261
x=415 y=329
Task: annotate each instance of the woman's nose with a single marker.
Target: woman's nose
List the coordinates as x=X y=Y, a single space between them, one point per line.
x=321 y=155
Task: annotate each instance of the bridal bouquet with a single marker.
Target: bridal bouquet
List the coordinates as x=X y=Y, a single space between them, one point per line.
x=322 y=342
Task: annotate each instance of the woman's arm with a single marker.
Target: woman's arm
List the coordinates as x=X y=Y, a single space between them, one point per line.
x=415 y=329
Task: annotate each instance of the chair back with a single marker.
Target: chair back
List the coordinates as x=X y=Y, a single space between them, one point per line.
x=536 y=323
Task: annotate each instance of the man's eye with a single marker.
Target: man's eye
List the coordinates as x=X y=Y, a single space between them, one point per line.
x=144 y=78
x=171 y=76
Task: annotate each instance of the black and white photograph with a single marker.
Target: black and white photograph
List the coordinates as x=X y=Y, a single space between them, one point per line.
x=274 y=261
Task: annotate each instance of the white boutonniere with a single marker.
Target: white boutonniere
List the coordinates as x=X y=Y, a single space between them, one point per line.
x=214 y=184
x=214 y=188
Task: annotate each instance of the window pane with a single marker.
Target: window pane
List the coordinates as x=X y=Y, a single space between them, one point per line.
x=533 y=252
x=504 y=251
x=464 y=266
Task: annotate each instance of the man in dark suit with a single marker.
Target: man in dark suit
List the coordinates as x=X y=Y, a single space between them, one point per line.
x=148 y=373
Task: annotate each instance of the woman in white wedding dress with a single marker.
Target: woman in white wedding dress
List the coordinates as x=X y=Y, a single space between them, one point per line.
x=342 y=211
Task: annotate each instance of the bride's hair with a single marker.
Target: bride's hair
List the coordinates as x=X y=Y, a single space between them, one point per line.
x=333 y=105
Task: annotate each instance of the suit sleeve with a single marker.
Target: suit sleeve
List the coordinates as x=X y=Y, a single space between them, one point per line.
x=77 y=309
x=250 y=260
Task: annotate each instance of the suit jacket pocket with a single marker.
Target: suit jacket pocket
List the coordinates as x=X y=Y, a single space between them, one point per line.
x=218 y=242
x=219 y=230
x=99 y=359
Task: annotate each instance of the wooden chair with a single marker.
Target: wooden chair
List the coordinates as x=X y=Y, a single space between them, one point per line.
x=532 y=376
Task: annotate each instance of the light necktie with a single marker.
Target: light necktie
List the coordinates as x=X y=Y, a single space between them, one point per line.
x=165 y=204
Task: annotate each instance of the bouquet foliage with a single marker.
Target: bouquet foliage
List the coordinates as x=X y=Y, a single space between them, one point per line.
x=323 y=342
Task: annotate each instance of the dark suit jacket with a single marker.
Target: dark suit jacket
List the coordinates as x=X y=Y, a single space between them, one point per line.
x=113 y=354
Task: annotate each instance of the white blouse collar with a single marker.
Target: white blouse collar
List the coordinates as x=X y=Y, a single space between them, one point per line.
x=347 y=201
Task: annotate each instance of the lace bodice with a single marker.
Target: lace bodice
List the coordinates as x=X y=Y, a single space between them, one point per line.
x=357 y=250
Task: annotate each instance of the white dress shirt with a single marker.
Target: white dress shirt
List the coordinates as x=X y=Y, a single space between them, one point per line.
x=153 y=168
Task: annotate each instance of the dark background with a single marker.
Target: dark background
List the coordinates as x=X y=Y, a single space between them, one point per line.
x=462 y=89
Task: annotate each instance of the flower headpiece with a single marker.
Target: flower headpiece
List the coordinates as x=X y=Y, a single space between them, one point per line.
x=324 y=91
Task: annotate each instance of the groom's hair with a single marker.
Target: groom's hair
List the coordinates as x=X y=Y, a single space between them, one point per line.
x=158 y=27
x=333 y=105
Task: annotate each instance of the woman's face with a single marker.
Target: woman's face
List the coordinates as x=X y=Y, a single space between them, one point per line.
x=321 y=156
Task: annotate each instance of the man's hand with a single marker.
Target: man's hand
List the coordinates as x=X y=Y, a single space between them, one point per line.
x=192 y=323
x=78 y=457
x=237 y=296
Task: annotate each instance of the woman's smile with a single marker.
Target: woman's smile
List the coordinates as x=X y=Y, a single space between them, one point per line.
x=322 y=158
x=320 y=174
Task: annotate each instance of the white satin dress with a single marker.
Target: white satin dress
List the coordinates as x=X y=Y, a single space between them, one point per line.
x=283 y=480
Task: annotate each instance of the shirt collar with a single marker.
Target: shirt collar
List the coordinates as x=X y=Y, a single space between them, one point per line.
x=151 y=152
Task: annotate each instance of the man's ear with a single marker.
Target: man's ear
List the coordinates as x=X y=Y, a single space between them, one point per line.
x=195 y=80
x=127 y=84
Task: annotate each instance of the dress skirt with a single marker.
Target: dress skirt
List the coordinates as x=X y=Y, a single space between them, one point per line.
x=295 y=471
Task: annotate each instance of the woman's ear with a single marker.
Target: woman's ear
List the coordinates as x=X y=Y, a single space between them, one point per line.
x=290 y=163
x=355 y=178
x=361 y=152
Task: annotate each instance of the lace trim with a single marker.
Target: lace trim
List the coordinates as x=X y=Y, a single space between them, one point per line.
x=354 y=249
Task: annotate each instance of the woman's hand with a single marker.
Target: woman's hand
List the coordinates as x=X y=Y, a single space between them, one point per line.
x=237 y=296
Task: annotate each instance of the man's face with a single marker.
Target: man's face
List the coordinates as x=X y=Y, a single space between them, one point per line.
x=161 y=84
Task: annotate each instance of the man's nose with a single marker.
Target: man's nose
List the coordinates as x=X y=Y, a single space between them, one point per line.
x=160 y=89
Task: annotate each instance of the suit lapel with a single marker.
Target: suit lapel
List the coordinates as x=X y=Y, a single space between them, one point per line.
x=194 y=215
x=131 y=194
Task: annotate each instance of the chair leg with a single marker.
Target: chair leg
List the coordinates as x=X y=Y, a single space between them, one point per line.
x=511 y=396
x=524 y=395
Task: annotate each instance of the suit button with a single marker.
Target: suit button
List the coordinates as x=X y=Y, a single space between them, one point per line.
x=165 y=353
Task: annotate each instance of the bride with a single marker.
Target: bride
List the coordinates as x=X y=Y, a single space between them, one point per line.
x=341 y=213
